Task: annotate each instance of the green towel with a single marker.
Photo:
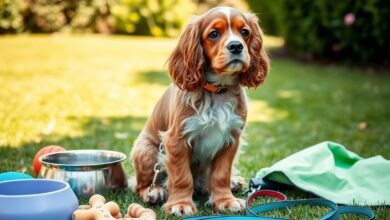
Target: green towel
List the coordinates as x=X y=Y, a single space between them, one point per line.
x=332 y=172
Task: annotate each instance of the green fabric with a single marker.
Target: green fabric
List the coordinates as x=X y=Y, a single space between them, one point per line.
x=332 y=172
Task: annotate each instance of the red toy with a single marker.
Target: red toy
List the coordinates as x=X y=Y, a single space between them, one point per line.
x=42 y=151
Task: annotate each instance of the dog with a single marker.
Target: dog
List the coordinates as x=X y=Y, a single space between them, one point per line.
x=199 y=119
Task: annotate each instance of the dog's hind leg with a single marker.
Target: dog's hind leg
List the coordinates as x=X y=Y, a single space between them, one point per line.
x=144 y=156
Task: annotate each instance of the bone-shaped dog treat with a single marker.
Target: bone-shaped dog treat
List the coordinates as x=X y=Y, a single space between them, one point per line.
x=99 y=210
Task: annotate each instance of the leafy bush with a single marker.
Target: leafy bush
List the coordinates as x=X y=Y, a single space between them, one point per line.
x=270 y=15
x=46 y=15
x=354 y=30
x=92 y=16
x=11 y=16
x=153 y=17
x=78 y=16
x=147 y=17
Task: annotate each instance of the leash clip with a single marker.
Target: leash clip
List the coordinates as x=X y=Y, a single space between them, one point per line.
x=252 y=190
x=157 y=168
x=255 y=184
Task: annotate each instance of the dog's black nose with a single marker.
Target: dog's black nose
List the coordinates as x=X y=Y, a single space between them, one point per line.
x=235 y=47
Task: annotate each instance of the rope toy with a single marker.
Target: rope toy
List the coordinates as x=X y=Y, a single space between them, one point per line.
x=98 y=209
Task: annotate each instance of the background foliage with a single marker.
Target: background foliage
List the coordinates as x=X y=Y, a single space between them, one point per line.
x=141 y=17
x=351 y=30
x=148 y=17
x=12 y=15
x=270 y=15
x=152 y=17
x=354 y=30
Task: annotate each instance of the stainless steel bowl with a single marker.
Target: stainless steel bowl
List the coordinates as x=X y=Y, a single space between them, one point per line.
x=87 y=171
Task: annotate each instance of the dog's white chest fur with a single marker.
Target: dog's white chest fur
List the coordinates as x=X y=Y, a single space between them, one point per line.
x=210 y=129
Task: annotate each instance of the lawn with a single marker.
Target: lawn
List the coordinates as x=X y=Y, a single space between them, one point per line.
x=97 y=91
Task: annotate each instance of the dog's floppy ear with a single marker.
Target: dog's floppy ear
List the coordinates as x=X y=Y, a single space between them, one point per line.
x=187 y=62
x=259 y=64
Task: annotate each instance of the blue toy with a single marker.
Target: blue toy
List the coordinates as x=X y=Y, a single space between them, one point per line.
x=14 y=176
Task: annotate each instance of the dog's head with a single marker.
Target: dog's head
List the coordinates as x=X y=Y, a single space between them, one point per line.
x=223 y=40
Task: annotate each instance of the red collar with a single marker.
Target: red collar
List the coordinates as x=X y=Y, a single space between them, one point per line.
x=215 y=89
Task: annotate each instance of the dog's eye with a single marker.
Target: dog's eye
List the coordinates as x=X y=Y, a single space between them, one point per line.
x=214 y=35
x=244 y=32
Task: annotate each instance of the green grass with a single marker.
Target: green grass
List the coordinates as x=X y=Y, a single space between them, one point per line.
x=97 y=92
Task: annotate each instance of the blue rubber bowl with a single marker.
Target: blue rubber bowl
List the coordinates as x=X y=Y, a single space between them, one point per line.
x=37 y=199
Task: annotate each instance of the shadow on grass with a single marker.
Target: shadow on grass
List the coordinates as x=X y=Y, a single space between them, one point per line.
x=111 y=133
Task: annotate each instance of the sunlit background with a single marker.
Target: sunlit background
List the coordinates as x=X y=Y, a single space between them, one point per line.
x=87 y=73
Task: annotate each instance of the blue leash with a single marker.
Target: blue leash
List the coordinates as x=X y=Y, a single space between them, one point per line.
x=253 y=212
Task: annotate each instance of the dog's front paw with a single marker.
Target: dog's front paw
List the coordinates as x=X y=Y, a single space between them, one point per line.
x=180 y=208
x=155 y=195
x=231 y=204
